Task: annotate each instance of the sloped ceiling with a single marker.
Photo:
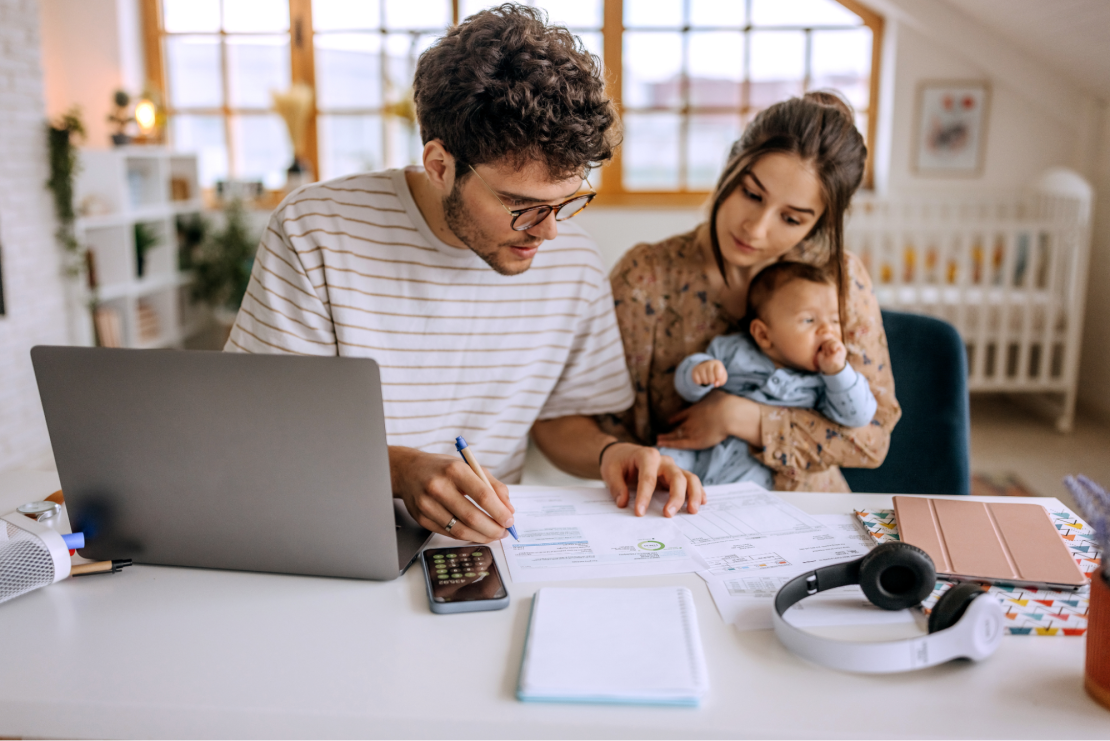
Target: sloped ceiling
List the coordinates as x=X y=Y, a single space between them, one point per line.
x=1070 y=36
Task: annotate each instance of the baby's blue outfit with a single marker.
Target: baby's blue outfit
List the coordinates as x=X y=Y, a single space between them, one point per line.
x=845 y=398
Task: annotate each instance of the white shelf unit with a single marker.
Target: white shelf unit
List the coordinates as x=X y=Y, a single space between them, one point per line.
x=124 y=187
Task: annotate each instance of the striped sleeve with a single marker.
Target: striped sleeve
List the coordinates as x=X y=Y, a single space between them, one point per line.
x=595 y=378
x=282 y=311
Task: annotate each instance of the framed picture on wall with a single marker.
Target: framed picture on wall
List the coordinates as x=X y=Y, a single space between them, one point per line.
x=951 y=127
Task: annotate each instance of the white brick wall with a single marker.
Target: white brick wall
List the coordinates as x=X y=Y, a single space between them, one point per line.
x=34 y=291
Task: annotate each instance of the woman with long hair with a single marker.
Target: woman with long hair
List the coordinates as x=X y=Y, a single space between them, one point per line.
x=782 y=196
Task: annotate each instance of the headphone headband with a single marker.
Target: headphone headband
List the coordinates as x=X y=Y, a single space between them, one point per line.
x=975 y=632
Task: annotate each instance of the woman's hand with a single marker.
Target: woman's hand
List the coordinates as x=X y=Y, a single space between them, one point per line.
x=711 y=420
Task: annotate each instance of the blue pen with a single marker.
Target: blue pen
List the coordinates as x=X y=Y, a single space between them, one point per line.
x=464 y=451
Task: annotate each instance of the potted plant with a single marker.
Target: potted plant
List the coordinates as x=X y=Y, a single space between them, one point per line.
x=146 y=239
x=221 y=262
x=1094 y=505
x=120 y=117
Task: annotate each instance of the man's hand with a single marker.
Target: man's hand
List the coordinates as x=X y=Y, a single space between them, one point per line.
x=626 y=465
x=710 y=373
x=711 y=420
x=434 y=489
x=831 y=357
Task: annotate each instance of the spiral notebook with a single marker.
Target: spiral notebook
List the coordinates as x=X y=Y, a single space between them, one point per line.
x=610 y=645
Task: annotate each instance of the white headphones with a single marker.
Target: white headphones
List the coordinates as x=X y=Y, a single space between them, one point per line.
x=965 y=623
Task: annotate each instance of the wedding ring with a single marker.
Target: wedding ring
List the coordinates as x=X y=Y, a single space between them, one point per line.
x=451 y=524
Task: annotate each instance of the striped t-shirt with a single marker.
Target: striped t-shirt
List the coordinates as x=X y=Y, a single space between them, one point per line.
x=350 y=267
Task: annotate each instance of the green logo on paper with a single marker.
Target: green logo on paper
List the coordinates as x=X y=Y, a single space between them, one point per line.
x=651 y=545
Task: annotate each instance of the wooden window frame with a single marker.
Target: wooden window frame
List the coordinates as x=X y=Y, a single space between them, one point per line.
x=611 y=191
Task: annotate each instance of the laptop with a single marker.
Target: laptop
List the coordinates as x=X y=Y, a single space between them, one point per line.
x=271 y=463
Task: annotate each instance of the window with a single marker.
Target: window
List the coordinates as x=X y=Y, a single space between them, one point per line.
x=221 y=59
x=687 y=75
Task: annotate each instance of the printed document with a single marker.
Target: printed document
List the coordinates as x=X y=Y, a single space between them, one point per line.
x=744 y=590
x=580 y=533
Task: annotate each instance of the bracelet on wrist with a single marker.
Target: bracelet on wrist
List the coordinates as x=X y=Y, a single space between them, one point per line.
x=608 y=445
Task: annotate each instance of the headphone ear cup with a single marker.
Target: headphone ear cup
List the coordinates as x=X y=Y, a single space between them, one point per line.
x=952 y=605
x=895 y=576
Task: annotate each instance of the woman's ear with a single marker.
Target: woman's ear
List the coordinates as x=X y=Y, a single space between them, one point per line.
x=761 y=334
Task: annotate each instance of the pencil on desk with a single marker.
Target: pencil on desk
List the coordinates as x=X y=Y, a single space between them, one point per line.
x=99 y=567
x=464 y=451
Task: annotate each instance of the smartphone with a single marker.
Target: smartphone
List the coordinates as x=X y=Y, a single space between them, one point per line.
x=463 y=579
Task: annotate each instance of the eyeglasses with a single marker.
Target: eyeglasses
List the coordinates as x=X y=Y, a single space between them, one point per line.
x=526 y=218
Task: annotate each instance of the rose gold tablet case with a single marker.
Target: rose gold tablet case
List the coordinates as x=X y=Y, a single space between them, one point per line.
x=988 y=541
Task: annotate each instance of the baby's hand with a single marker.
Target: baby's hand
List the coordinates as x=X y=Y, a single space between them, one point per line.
x=831 y=357
x=710 y=373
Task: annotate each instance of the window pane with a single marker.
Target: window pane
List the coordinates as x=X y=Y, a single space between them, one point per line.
x=573 y=13
x=183 y=16
x=402 y=142
x=805 y=13
x=777 y=65
x=842 y=60
x=203 y=136
x=255 y=66
x=348 y=71
x=193 y=69
x=652 y=13
x=262 y=149
x=402 y=50
x=570 y=13
x=594 y=43
x=417 y=14
x=349 y=144
x=708 y=145
x=717 y=13
x=343 y=15
x=650 y=151
x=652 y=69
x=716 y=68
x=256 y=16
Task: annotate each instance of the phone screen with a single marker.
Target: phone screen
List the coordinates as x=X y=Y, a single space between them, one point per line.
x=463 y=574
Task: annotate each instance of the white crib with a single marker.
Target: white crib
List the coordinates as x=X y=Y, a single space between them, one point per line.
x=1009 y=271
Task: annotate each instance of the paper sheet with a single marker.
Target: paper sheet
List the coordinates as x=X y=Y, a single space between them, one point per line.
x=579 y=533
x=746 y=529
x=743 y=577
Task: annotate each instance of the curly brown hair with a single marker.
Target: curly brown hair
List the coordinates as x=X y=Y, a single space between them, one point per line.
x=504 y=85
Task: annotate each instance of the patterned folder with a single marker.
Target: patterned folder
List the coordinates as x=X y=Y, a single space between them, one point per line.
x=1030 y=611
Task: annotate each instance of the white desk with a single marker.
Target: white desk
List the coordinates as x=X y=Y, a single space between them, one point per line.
x=156 y=652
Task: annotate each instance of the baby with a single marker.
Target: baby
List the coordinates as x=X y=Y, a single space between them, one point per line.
x=794 y=316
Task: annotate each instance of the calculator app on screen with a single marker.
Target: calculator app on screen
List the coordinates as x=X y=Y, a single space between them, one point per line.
x=463 y=574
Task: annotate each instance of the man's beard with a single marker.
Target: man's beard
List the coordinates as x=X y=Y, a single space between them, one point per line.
x=460 y=221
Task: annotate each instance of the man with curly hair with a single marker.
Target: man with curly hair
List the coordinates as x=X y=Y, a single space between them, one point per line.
x=488 y=312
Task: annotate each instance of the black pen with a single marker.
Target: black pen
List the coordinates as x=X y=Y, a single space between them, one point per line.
x=99 y=567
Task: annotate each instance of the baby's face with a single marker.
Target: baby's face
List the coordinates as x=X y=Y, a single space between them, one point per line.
x=797 y=319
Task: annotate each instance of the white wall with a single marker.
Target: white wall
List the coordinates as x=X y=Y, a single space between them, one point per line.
x=617 y=229
x=1023 y=137
x=33 y=288
x=90 y=49
x=1094 y=373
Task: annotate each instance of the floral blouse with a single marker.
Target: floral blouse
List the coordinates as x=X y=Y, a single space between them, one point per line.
x=667 y=310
